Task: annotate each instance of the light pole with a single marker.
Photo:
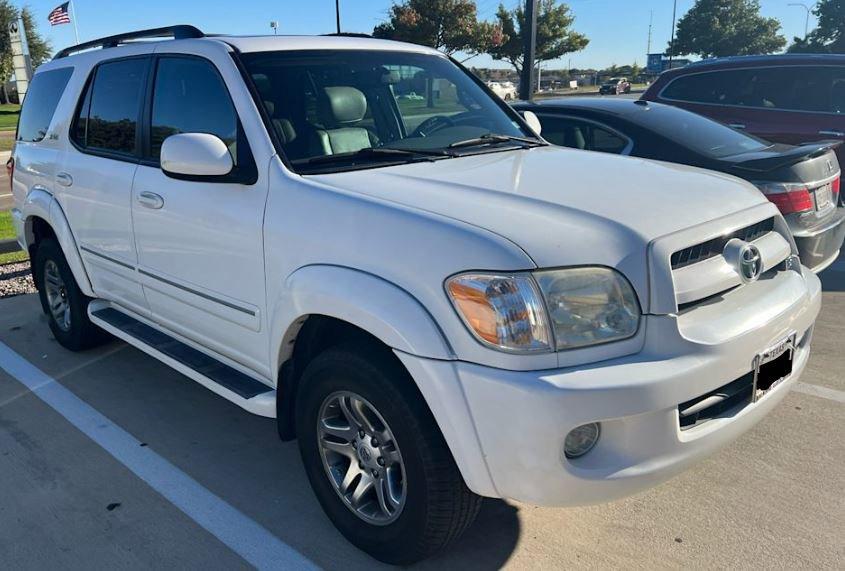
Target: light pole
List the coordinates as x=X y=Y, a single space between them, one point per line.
x=529 y=37
x=807 y=19
x=672 y=40
x=337 y=14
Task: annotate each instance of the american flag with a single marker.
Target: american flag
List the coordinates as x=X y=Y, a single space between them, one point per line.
x=59 y=15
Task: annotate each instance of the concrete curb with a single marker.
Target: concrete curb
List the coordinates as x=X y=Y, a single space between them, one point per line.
x=9 y=246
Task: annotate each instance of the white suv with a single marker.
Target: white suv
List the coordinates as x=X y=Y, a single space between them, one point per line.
x=435 y=302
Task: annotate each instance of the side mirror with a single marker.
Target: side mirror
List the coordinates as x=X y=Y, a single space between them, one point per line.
x=195 y=155
x=532 y=120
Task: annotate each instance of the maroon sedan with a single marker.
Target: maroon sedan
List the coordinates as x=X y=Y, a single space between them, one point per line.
x=789 y=98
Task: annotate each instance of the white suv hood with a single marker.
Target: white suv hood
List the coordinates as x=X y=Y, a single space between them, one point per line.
x=561 y=206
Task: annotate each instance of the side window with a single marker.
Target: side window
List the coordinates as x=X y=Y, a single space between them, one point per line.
x=42 y=98
x=714 y=88
x=190 y=97
x=577 y=134
x=108 y=116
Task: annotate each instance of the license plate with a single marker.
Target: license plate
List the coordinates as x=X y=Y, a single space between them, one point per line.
x=772 y=366
x=824 y=197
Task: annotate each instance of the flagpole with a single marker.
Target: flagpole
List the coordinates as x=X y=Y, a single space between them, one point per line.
x=75 y=29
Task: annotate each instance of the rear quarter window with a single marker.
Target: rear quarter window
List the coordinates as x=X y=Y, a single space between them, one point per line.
x=40 y=104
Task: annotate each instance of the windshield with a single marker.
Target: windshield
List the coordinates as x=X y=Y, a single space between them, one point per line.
x=342 y=109
x=697 y=133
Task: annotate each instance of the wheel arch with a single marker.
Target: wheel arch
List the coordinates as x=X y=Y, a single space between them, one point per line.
x=44 y=217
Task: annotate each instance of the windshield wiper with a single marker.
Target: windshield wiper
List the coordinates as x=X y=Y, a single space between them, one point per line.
x=493 y=138
x=375 y=153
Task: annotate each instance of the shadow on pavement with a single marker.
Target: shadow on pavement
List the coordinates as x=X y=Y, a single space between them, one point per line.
x=233 y=454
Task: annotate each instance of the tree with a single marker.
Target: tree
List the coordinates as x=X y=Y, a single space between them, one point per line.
x=829 y=35
x=636 y=70
x=39 y=48
x=554 y=34
x=447 y=25
x=718 y=28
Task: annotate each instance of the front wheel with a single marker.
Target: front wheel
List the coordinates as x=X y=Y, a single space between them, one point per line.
x=375 y=458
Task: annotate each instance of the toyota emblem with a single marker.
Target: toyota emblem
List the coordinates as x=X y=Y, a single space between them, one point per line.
x=745 y=259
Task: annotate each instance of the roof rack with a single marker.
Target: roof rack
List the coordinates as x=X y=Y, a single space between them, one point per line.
x=180 y=32
x=349 y=35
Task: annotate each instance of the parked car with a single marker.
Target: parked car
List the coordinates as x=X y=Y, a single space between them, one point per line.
x=504 y=89
x=789 y=98
x=438 y=314
x=615 y=86
x=803 y=181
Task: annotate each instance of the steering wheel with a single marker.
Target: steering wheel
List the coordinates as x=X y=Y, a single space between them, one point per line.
x=431 y=125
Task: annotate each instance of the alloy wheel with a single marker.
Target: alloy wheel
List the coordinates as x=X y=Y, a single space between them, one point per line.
x=57 y=295
x=361 y=458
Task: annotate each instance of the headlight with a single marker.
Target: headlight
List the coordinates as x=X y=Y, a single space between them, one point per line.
x=562 y=309
x=588 y=306
x=504 y=311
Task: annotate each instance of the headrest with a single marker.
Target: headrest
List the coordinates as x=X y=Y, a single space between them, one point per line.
x=342 y=105
x=285 y=130
x=270 y=107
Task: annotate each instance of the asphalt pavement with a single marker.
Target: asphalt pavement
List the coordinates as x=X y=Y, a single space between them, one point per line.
x=109 y=459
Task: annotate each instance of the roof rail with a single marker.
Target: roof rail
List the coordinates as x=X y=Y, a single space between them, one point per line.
x=180 y=32
x=349 y=35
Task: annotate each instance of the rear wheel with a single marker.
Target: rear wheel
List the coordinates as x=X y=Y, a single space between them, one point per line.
x=375 y=457
x=64 y=304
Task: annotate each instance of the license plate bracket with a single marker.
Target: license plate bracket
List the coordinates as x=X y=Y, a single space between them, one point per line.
x=772 y=366
x=824 y=197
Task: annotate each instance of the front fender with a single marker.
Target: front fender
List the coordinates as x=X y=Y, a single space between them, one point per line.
x=41 y=204
x=379 y=307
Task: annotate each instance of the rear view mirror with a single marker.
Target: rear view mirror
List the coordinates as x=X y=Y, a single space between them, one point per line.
x=532 y=121
x=195 y=155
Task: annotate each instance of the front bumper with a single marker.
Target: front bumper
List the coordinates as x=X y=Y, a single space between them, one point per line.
x=819 y=248
x=521 y=419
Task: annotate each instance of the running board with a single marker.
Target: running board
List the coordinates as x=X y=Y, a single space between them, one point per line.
x=243 y=390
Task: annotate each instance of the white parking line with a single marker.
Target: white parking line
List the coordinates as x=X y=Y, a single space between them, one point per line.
x=818 y=391
x=242 y=535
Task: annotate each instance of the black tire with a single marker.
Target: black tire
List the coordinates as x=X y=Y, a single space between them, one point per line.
x=438 y=506
x=80 y=334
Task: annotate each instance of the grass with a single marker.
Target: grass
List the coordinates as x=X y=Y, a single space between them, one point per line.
x=8 y=231
x=13 y=257
x=9 y=116
x=7 y=139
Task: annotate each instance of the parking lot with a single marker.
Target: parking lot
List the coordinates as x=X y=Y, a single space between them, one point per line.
x=116 y=461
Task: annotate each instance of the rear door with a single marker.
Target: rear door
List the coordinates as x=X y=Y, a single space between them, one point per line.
x=95 y=182
x=200 y=242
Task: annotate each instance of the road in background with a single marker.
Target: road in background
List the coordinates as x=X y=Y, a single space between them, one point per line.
x=771 y=499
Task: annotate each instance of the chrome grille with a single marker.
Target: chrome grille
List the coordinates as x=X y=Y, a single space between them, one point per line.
x=715 y=246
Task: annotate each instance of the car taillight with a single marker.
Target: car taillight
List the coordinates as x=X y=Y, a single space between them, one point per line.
x=834 y=189
x=788 y=197
x=10 y=171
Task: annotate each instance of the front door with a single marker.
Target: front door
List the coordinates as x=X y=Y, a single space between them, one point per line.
x=200 y=247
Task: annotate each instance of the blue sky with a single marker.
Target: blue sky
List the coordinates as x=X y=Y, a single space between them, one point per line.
x=618 y=29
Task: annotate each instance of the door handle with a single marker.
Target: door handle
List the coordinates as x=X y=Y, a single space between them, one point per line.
x=831 y=133
x=150 y=200
x=736 y=125
x=64 y=179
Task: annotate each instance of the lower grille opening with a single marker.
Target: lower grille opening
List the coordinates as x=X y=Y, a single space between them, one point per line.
x=733 y=396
